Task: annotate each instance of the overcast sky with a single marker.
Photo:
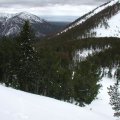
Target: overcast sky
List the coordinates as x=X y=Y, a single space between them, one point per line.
x=66 y=8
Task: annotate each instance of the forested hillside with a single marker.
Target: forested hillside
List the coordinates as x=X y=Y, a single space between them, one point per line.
x=49 y=67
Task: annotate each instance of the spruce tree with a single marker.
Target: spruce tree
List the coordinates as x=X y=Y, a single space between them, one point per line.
x=118 y=75
x=115 y=99
x=27 y=60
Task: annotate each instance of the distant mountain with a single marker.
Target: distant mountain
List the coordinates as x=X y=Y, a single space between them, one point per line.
x=11 y=25
x=104 y=21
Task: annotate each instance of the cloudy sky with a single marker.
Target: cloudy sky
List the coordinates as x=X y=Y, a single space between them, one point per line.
x=60 y=9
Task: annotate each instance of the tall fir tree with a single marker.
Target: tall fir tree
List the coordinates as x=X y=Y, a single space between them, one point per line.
x=115 y=94
x=117 y=73
x=27 y=59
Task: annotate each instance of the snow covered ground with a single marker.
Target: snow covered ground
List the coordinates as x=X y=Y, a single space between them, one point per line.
x=101 y=105
x=18 y=105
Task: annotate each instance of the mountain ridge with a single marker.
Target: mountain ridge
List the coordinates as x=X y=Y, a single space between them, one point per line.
x=85 y=26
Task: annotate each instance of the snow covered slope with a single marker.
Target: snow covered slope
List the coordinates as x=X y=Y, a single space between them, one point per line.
x=18 y=105
x=81 y=55
x=104 y=21
x=113 y=29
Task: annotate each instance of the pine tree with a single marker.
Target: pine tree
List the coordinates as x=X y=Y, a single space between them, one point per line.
x=27 y=60
x=115 y=99
x=85 y=82
x=8 y=57
x=115 y=95
x=117 y=73
x=109 y=73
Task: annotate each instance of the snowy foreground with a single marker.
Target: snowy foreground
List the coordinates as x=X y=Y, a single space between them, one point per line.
x=18 y=105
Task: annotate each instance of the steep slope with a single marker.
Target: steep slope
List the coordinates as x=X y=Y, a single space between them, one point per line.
x=2 y=22
x=28 y=16
x=12 y=26
x=113 y=29
x=101 y=22
x=6 y=15
x=3 y=18
x=18 y=105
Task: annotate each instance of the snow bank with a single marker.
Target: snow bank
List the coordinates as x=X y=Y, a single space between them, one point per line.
x=18 y=105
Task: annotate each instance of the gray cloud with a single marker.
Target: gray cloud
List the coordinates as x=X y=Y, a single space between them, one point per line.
x=51 y=9
x=9 y=3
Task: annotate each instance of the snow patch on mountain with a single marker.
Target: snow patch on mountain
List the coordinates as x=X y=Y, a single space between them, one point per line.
x=81 y=55
x=13 y=30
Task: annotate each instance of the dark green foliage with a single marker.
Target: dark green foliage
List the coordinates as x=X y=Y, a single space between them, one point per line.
x=109 y=74
x=19 y=61
x=85 y=82
x=8 y=55
x=117 y=74
x=83 y=87
x=26 y=67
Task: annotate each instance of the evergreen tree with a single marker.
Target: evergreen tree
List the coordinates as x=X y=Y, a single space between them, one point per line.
x=109 y=73
x=26 y=69
x=85 y=82
x=117 y=73
x=7 y=62
x=115 y=99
